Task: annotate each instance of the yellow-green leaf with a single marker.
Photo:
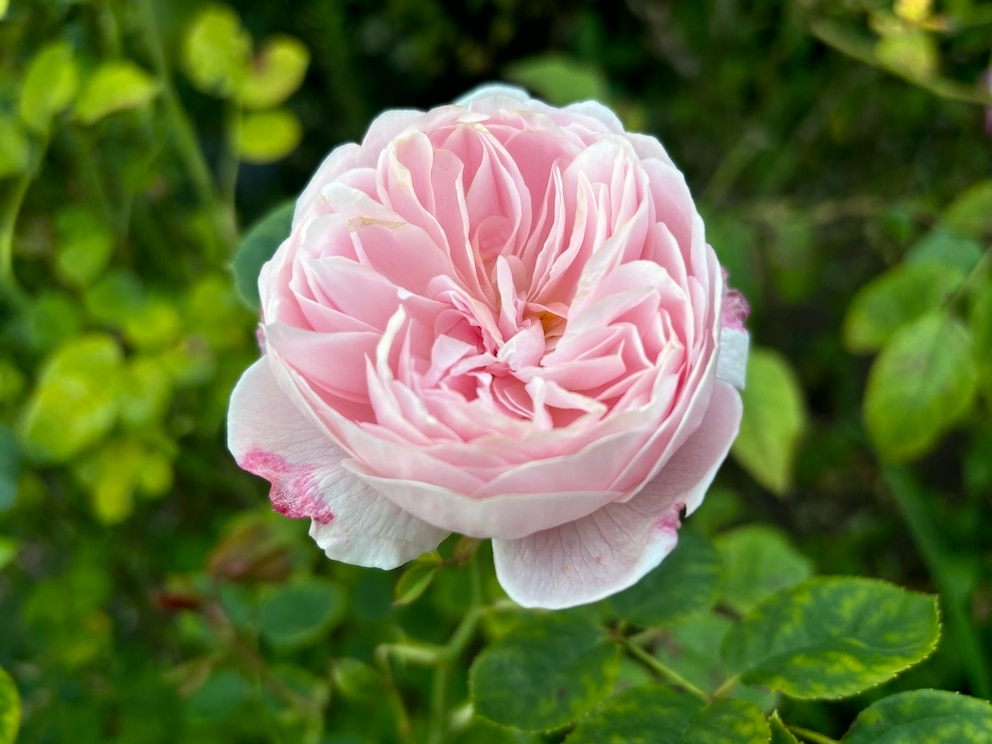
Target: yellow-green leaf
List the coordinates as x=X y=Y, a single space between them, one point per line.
x=910 y=52
x=268 y=136
x=274 y=73
x=216 y=50
x=50 y=85
x=970 y=214
x=559 y=79
x=774 y=421
x=931 y=716
x=4 y=4
x=922 y=382
x=115 y=86
x=10 y=709
x=84 y=247
x=15 y=150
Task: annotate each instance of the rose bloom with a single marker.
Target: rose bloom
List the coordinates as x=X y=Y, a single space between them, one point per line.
x=501 y=319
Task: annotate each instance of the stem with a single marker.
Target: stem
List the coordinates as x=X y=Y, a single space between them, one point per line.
x=813 y=736
x=229 y=163
x=946 y=575
x=660 y=669
x=10 y=290
x=403 y=727
x=727 y=685
x=184 y=135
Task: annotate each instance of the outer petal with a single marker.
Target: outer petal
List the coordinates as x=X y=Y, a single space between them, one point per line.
x=732 y=362
x=611 y=549
x=270 y=437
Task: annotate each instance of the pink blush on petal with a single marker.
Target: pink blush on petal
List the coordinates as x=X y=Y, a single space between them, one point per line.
x=670 y=521
x=734 y=310
x=294 y=492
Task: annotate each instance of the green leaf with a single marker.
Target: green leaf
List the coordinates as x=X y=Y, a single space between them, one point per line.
x=222 y=694
x=780 y=734
x=295 y=615
x=274 y=74
x=931 y=716
x=4 y=5
x=15 y=150
x=415 y=579
x=114 y=298
x=922 y=382
x=258 y=245
x=10 y=467
x=215 y=51
x=895 y=298
x=115 y=86
x=832 y=637
x=942 y=247
x=50 y=85
x=356 y=680
x=686 y=582
x=774 y=421
x=909 y=52
x=758 y=561
x=727 y=722
x=8 y=551
x=84 y=247
x=10 y=709
x=544 y=674
x=970 y=214
x=74 y=404
x=648 y=714
x=981 y=329
x=558 y=79
x=267 y=136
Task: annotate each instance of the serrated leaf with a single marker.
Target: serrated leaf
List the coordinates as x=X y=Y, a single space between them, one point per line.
x=15 y=150
x=758 y=561
x=773 y=423
x=922 y=382
x=832 y=637
x=544 y=674
x=686 y=582
x=74 y=403
x=414 y=580
x=10 y=709
x=258 y=245
x=970 y=214
x=50 y=85
x=894 y=298
x=274 y=74
x=215 y=50
x=780 y=734
x=10 y=468
x=558 y=79
x=115 y=86
x=267 y=136
x=295 y=615
x=727 y=722
x=648 y=714
x=931 y=716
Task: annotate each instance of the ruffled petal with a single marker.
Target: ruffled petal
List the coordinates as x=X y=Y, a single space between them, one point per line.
x=612 y=548
x=351 y=521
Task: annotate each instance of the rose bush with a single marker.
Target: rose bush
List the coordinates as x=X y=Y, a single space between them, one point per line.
x=501 y=319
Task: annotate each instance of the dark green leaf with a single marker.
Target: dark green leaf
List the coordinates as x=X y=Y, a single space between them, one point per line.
x=547 y=672
x=222 y=694
x=685 y=583
x=294 y=615
x=10 y=709
x=649 y=714
x=947 y=249
x=10 y=468
x=931 y=716
x=356 y=680
x=832 y=637
x=897 y=297
x=780 y=734
x=774 y=420
x=727 y=722
x=558 y=79
x=758 y=561
x=923 y=381
x=415 y=579
x=258 y=245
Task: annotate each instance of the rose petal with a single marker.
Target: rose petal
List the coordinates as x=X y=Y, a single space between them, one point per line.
x=612 y=548
x=732 y=362
x=270 y=437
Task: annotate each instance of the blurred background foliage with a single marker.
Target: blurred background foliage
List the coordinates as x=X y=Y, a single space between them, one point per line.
x=839 y=150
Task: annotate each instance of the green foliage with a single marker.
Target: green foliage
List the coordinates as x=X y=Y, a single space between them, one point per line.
x=758 y=561
x=301 y=613
x=922 y=383
x=15 y=151
x=275 y=73
x=780 y=734
x=543 y=675
x=832 y=637
x=267 y=136
x=933 y=716
x=558 y=80
x=257 y=247
x=50 y=85
x=10 y=709
x=215 y=50
x=10 y=456
x=685 y=583
x=112 y=87
x=774 y=420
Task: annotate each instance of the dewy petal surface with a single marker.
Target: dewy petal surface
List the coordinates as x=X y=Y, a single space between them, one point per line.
x=503 y=319
x=270 y=437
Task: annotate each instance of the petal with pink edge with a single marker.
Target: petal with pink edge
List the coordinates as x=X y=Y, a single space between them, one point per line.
x=612 y=548
x=351 y=521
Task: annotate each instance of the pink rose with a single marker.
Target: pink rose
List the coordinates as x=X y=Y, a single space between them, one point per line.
x=501 y=319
